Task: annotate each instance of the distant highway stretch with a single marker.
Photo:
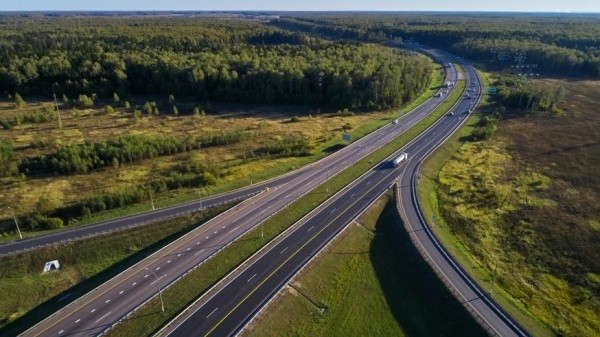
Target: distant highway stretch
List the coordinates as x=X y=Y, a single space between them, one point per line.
x=168 y=212
x=106 y=305
x=230 y=305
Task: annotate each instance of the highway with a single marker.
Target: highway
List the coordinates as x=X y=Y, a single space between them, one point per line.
x=105 y=306
x=105 y=227
x=231 y=304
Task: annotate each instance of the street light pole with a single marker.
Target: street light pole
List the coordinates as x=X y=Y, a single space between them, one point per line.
x=159 y=292
x=16 y=223
x=494 y=278
x=262 y=230
x=151 y=198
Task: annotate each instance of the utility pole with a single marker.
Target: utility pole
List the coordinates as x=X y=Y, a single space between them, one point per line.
x=262 y=229
x=57 y=111
x=16 y=223
x=151 y=198
x=494 y=278
x=162 y=304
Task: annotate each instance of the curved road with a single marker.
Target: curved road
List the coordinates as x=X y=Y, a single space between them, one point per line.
x=225 y=309
x=108 y=304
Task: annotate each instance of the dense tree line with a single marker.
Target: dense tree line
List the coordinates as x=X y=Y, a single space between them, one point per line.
x=82 y=158
x=206 y=59
x=559 y=44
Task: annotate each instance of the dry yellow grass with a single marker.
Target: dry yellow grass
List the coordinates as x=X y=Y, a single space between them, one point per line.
x=260 y=125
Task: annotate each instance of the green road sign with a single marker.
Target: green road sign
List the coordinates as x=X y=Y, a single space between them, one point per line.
x=492 y=90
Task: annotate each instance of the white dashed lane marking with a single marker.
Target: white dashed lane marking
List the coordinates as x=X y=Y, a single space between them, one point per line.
x=212 y=312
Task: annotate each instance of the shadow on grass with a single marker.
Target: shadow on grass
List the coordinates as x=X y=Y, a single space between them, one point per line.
x=418 y=300
x=61 y=300
x=333 y=148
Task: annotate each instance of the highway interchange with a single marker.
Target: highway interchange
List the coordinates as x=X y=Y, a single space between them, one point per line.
x=108 y=304
x=225 y=308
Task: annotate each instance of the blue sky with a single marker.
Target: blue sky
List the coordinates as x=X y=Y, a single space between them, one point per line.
x=310 y=5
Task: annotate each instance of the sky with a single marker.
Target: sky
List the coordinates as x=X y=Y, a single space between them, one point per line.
x=306 y=5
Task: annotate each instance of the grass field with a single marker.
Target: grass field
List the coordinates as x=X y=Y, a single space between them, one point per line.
x=370 y=281
x=85 y=264
x=521 y=208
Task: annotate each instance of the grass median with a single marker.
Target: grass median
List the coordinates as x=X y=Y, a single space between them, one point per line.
x=148 y=319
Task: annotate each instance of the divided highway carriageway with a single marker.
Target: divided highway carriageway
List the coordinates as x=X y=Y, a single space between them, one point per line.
x=103 y=307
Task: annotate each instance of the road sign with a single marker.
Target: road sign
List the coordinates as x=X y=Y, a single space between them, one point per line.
x=492 y=90
x=345 y=137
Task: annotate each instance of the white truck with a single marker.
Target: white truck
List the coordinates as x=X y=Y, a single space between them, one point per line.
x=402 y=157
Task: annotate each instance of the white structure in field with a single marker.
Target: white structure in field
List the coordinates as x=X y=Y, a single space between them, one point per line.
x=51 y=265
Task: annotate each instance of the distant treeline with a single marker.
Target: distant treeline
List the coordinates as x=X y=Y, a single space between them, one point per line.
x=565 y=45
x=202 y=58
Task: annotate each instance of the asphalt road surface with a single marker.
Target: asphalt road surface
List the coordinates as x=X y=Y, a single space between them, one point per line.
x=105 y=306
x=226 y=308
x=375 y=139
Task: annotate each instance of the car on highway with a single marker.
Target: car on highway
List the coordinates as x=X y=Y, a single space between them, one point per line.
x=395 y=121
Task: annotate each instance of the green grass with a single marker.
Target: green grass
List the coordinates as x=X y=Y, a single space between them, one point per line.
x=146 y=320
x=372 y=282
x=28 y=295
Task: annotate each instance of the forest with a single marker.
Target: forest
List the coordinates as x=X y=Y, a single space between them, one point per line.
x=235 y=61
x=565 y=45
